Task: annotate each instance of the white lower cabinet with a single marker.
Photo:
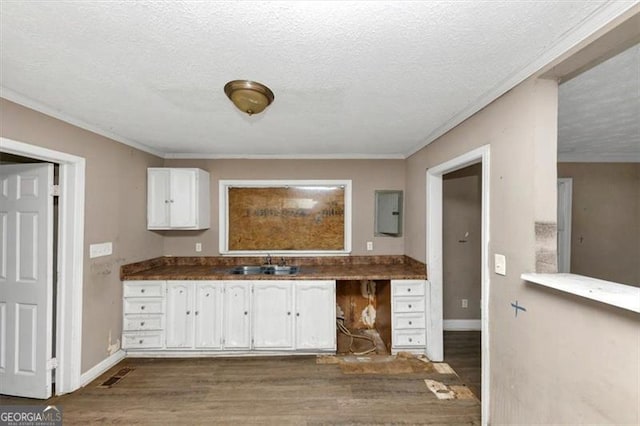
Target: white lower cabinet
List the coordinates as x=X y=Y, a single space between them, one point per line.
x=273 y=314
x=229 y=316
x=237 y=307
x=194 y=314
x=209 y=315
x=408 y=323
x=315 y=317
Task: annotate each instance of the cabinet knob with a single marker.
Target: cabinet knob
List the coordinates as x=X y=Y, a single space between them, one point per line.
x=297 y=314
x=410 y=339
x=142 y=308
x=409 y=306
x=288 y=313
x=245 y=312
x=408 y=290
x=141 y=323
x=166 y=201
x=140 y=341
x=196 y=312
x=171 y=201
x=142 y=291
x=410 y=322
x=188 y=312
x=207 y=295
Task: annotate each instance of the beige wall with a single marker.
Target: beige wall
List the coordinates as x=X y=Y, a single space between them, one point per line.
x=605 y=220
x=115 y=210
x=566 y=360
x=461 y=261
x=367 y=176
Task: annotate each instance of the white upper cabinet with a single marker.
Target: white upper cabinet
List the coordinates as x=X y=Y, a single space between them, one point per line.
x=177 y=198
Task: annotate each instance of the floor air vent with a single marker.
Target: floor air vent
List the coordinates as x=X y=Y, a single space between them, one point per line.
x=116 y=377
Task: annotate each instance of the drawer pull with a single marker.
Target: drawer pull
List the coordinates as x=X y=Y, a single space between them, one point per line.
x=142 y=308
x=288 y=313
x=140 y=341
x=408 y=290
x=207 y=295
x=410 y=339
x=142 y=291
x=245 y=312
x=141 y=323
x=410 y=322
x=409 y=306
x=297 y=314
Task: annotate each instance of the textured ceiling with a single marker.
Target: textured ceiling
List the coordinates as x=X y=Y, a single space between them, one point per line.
x=599 y=112
x=351 y=79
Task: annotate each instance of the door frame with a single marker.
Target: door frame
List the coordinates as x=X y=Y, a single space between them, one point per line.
x=70 y=259
x=434 y=338
x=565 y=199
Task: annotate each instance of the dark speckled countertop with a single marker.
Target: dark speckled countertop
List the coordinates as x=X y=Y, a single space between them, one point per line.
x=311 y=268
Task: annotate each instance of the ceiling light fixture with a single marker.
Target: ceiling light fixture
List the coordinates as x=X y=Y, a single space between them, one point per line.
x=249 y=96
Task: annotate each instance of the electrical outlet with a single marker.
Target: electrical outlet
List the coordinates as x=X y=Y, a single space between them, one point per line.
x=500 y=265
x=465 y=303
x=369 y=245
x=198 y=247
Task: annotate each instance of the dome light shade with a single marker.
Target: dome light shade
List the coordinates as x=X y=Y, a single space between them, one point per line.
x=249 y=96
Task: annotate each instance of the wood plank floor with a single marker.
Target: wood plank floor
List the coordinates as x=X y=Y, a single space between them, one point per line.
x=462 y=351
x=259 y=390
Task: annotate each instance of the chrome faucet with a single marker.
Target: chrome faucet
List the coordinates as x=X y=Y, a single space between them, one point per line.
x=268 y=260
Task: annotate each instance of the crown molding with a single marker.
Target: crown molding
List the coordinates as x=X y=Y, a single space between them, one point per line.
x=25 y=101
x=607 y=157
x=191 y=156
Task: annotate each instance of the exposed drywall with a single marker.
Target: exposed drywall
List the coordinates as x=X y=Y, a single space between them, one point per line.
x=367 y=176
x=115 y=210
x=605 y=220
x=565 y=360
x=461 y=240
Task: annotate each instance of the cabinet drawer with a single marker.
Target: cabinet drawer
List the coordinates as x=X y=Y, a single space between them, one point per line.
x=143 y=322
x=408 y=321
x=408 y=338
x=408 y=304
x=143 y=289
x=143 y=305
x=408 y=288
x=142 y=340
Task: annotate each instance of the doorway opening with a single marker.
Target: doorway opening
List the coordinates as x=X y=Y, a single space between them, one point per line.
x=461 y=260
x=68 y=262
x=435 y=258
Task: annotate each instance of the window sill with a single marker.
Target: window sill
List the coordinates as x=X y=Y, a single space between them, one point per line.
x=615 y=294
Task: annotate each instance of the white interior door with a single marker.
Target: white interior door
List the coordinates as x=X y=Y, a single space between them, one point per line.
x=26 y=279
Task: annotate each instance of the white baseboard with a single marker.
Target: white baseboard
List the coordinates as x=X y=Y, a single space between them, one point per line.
x=462 y=325
x=95 y=371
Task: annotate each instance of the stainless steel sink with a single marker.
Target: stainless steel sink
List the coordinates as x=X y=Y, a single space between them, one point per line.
x=281 y=270
x=264 y=270
x=246 y=270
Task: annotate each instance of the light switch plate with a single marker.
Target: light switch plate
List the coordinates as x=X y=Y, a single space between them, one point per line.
x=101 y=249
x=198 y=247
x=500 y=264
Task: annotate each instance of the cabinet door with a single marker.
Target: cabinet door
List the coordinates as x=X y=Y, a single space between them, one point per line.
x=179 y=314
x=158 y=198
x=272 y=315
x=208 y=315
x=237 y=297
x=183 y=198
x=315 y=315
